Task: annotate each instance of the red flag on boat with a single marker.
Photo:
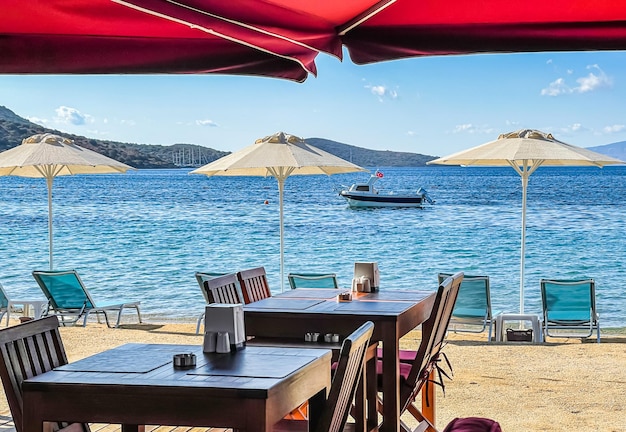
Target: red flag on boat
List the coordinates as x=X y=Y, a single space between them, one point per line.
x=379 y=174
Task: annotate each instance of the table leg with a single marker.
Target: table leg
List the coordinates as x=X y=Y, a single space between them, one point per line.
x=359 y=403
x=133 y=428
x=316 y=407
x=372 y=393
x=391 y=383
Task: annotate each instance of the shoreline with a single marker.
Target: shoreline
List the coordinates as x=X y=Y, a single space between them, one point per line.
x=560 y=385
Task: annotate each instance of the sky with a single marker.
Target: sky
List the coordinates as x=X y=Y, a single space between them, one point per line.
x=432 y=105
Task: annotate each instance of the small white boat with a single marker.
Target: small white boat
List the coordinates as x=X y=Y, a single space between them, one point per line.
x=366 y=195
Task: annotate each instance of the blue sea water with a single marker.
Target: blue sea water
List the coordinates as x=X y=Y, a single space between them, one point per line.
x=144 y=234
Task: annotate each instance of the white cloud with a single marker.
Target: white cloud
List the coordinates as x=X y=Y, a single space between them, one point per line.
x=411 y=133
x=594 y=80
x=128 y=122
x=472 y=129
x=614 y=128
x=573 y=129
x=382 y=92
x=72 y=116
x=556 y=88
x=207 y=122
x=39 y=121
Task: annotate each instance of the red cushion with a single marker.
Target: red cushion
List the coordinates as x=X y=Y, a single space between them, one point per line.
x=473 y=424
x=406 y=356
x=405 y=369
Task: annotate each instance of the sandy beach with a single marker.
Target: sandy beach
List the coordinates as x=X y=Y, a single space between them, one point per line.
x=561 y=385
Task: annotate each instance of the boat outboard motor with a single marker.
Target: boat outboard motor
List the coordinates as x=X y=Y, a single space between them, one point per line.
x=424 y=194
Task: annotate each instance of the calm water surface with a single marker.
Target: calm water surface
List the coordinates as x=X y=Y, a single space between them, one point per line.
x=144 y=234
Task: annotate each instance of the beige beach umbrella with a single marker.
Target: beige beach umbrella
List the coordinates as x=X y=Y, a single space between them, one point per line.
x=280 y=155
x=526 y=150
x=47 y=156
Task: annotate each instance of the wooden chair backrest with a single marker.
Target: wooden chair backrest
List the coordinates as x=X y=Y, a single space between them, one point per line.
x=224 y=289
x=28 y=350
x=254 y=284
x=343 y=388
x=433 y=335
x=201 y=277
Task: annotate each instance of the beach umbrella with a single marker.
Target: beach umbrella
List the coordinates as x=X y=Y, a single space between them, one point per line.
x=280 y=155
x=526 y=150
x=47 y=156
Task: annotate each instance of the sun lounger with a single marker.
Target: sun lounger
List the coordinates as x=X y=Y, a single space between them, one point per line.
x=312 y=280
x=473 y=305
x=569 y=308
x=70 y=300
x=8 y=305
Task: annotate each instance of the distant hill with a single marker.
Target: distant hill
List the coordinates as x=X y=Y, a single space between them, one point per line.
x=365 y=157
x=616 y=150
x=13 y=129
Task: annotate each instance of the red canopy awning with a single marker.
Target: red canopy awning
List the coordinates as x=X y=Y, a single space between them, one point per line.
x=101 y=36
x=411 y=28
x=281 y=38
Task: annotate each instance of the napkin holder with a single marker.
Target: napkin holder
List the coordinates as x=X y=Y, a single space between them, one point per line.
x=367 y=273
x=226 y=318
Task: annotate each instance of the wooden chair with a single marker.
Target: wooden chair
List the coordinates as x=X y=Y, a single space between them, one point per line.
x=224 y=289
x=254 y=284
x=344 y=385
x=28 y=350
x=414 y=376
x=201 y=277
x=219 y=288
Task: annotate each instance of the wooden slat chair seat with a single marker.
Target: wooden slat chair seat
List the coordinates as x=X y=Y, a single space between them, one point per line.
x=415 y=376
x=254 y=284
x=28 y=350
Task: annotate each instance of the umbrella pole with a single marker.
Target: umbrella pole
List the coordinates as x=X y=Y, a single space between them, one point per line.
x=524 y=171
x=525 y=176
x=49 y=184
x=281 y=186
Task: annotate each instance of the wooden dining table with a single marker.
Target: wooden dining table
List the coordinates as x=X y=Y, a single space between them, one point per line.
x=137 y=384
x=294 y=313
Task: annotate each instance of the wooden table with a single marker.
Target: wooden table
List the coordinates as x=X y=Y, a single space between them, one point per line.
x=136 y=384
x=395 y=313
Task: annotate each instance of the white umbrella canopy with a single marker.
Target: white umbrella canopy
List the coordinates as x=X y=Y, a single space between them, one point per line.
x=47 y=156
x=280 y=155
x=526 y=150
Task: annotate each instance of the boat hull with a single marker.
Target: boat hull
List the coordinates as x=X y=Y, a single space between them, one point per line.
x=358 y=200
